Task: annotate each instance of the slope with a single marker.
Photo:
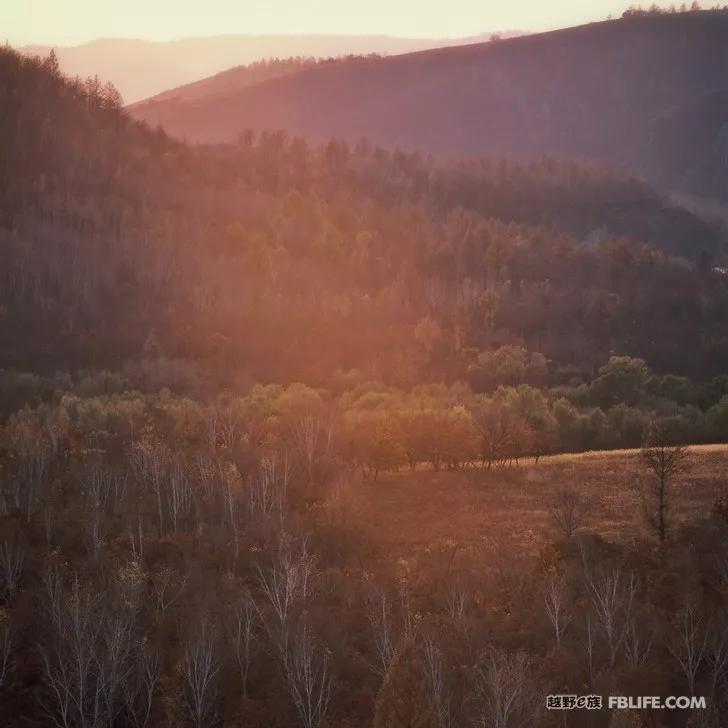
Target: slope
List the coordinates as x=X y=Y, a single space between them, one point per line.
x=141 y=68
x=277 y=261
x=593 y=91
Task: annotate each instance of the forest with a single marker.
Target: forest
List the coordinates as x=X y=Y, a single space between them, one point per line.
x=216 y=358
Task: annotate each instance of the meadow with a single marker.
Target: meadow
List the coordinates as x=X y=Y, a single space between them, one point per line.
x=408 y=512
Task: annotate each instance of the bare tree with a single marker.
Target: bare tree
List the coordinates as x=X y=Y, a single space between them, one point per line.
x=94 y=530
x=555 y=602
x=407 y=618
x=130 y=586
x=200 y=666
x=281 y=584
x=380 y=620
x=435 y=675
x=12 y=558
x=53 y=587
x=456 y=600
x=567 y=510
x=223 y=428
x=70 y=663
x=268 y=487
x=103 y=487
x=500 y=432
x=243 y=637
x=307 y=569
x=589 y=647
x=208 y=472
x=149 y=460
x=717 y=653
x=309 y=679
x=113 y=663
x=232 y=494
x=7 y=645
x=612 y=599
x=689 y=644
x=307 y=431
x=636 y=647
x=179 y=494
x=167 y=587
x=314 y=438
x=665 y=461
x=26 y=485
x=140 y=684
x=505 y=694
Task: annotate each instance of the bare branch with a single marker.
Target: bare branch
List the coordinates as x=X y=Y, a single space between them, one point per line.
x=689 y=644
x=309 y=679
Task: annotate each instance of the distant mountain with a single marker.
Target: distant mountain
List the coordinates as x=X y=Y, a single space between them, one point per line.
x=644 y=93
x=140 y=68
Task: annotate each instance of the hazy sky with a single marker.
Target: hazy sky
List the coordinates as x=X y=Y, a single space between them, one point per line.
x=77 y=21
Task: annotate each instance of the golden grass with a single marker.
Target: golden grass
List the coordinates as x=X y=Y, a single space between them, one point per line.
x=406 y=514
x=608 y=454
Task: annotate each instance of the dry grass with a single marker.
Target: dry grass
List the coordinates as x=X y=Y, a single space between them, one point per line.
x=405 y=514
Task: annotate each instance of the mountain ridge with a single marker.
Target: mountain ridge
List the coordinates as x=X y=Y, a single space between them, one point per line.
x=593 y=91
x=140 y=68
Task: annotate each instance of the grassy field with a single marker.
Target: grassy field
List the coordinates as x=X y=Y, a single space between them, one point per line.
x=410 y=513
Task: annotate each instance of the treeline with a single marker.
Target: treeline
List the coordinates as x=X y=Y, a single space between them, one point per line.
x=374 y=427
x=638 y=11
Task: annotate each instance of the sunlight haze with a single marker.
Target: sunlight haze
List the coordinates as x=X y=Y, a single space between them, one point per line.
x=80 y=21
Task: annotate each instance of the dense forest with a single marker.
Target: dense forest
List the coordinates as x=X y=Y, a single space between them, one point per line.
x=205 y=349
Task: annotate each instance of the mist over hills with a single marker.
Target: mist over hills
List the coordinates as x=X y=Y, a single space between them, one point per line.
x=643 y=93
x=141 y=68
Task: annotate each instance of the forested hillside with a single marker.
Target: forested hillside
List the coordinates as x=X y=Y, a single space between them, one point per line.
x=641 y=92
x=271 y=258
x=218 y=363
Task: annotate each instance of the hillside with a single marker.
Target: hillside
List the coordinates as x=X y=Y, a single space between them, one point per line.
x=405 y=513
x=302 y=435
x=270 y=250
x=141 y=68
x=620 y=91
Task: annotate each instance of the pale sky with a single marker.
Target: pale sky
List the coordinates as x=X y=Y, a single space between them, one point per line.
x=67 y=22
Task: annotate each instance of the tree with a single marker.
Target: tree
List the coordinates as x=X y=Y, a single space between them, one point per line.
x=612 y=601
x=140 y=684
x=244 y=637
x=6 y=647
x=567 y=510
x=665 y=461
x=435 y=673
x=200 y=666
x=111 y=99
x=505 y=693
x=621 y=381
x=689 y=644
x=556 y=611
x=12 y=557
x=501 y=433
x=405 y=699
x=309 y=679
x=374 y=444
